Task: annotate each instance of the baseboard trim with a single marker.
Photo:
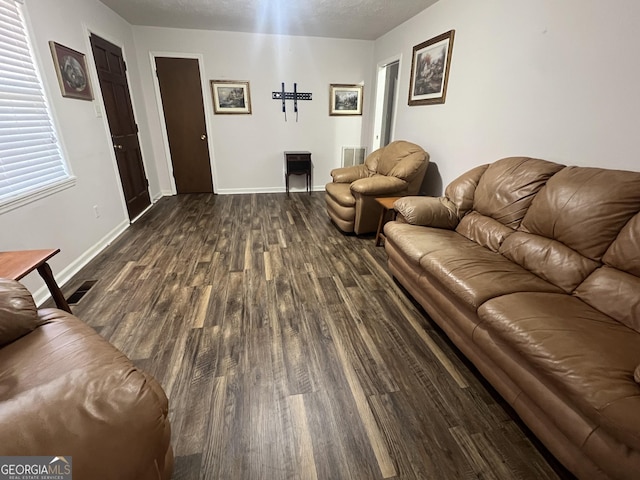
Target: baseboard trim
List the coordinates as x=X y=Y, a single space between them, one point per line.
x=42 y=294
x=240 y=191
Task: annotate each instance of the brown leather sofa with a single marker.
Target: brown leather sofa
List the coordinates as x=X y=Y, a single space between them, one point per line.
x=533 y=270
x=65 y=391
x=392 y=171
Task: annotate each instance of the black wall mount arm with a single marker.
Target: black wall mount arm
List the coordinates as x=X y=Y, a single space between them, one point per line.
x=295 y=96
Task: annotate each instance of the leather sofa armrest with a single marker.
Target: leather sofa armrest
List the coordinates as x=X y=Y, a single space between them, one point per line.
x=109 y=410
x=378 y=185
x=349 y=174
x=438 y=212
x=18 y=313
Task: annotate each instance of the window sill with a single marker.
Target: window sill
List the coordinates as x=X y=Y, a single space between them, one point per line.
x=26 y=198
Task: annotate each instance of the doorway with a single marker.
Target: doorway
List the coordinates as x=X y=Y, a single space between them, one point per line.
x=183 y=106
x=387 y=89
x=112 y=77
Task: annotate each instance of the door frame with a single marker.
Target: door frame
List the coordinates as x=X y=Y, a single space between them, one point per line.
x=100 y=112
x=381 y=80
x=206 y=100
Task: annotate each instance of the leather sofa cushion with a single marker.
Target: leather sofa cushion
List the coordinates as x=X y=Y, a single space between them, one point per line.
x=636 y=374
x=549 y=259
x=614 y=289
x=614 y=293
x=401 y=159
x=18 y=312
x=508 y=186
x=85 y=399
x=475 y=274
x=462 y=190
x=585 y=354
x=623 y=252
x=584 y=208
x=483 y=230
x=416 y=241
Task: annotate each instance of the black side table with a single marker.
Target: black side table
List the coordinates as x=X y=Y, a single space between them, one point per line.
x=297 y=163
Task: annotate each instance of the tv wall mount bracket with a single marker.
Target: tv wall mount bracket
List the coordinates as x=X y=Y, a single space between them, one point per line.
x=295 y=96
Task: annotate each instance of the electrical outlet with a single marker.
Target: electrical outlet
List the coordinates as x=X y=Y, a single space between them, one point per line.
x=96 y=211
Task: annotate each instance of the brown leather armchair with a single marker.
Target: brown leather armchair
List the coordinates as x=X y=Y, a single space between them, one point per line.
x=396 y=170
x=65 y=390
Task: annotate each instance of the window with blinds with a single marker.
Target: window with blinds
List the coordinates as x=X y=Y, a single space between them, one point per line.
x=30 y=156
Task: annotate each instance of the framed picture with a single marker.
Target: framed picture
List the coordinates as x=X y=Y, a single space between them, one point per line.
x=231 y=96
x=430 y=70
x=345 y=99
x=71 y=69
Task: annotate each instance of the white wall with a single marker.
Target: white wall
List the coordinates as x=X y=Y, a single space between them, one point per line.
x=66 y=219
x=247 y=150
x=541 y=78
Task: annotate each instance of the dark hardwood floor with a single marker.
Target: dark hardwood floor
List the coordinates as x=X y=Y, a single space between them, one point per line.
x=287 y=350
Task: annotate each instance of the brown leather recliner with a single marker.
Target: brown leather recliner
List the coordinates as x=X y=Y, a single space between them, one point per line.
x=392 y=171
x=65 y=390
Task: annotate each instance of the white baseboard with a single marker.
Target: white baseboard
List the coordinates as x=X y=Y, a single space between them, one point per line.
x=42 y=294
x=240 y=191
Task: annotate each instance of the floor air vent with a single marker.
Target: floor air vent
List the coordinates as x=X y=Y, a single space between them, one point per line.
x=80 y=292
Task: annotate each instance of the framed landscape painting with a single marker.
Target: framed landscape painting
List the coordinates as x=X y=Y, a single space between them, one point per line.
x=430 y=70
x=231 y=96
x=345 y=99
x=71 y=70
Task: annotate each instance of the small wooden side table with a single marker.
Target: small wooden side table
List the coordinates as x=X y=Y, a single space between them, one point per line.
x=297 y=163
x=15 y=265
x=387 y=206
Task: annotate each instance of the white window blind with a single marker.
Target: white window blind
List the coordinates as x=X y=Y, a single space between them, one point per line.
x=30 y=156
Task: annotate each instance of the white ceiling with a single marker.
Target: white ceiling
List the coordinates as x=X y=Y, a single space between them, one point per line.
x=356 y=19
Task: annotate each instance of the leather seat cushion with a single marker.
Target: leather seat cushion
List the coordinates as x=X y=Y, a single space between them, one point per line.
x=587 y=355
x=341 y=194
x=416 y=241
x=475 y=274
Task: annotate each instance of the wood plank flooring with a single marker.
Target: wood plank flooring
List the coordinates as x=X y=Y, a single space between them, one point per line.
x=288 y=352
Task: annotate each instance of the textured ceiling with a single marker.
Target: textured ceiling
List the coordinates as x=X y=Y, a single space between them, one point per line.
x=357 y=19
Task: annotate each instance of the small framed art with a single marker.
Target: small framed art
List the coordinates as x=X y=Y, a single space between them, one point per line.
x=430 y=70
x=71 y=69
x=231 y=97
x=345 y=99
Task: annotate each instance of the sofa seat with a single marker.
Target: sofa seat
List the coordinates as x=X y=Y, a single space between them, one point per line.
x=416 y=242
x=471 y=272
x=588 y=356
x=65 y=390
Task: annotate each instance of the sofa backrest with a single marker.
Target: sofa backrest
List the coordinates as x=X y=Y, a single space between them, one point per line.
x=501 y=198
x=571 y=226
x=572 y=222
x=614 y=288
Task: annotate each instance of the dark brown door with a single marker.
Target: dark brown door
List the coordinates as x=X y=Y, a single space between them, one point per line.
x=181 y=93
x=124 y=130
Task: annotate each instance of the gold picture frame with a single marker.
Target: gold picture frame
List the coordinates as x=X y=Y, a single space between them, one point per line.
x=231 y=97
x=71 y=70
x=430 y=70
x=345 y=99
